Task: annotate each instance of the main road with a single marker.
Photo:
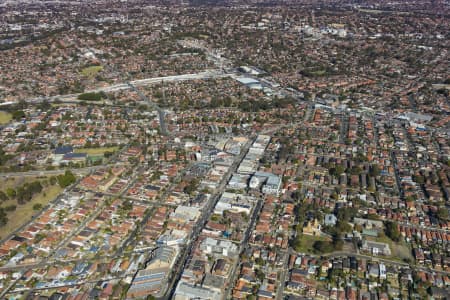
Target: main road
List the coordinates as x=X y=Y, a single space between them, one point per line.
x=206 y=213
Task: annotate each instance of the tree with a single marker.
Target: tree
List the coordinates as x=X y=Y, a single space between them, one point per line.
x=108 y=154
x=360 y=157
x=37 y=206
x=391 y=230
x=11 y=193
x=18 y=114
x=3 y=196
x=259 y=261
x=346 y=213
x=133 y=160
x=343 y=227
x=67 y=179
x=296 y=195
x=4 y=157
x=192 y=186
x=91 y=96
x=374 y=171
x=3 y=217
x=53 y=180
x=339 y=170
x=356 y=170
x=44 y=105
x=127 y=205
x=323 y=246
x=23 y=195
x=297 y=245
x=260 y=275
x=373 y=217
x=442 y=214
x=409 y=198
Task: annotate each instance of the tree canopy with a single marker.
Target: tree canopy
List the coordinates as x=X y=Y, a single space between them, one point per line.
x=67 y=179
x=391 y=230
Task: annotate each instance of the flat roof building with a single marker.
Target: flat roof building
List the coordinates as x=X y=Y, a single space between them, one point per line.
x=186 y=291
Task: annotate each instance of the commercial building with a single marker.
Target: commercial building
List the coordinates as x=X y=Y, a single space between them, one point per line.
x=186 y=291
x=151 y=280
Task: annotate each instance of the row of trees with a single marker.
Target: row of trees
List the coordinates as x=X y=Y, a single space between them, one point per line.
x=22 y=193
x=25 y=192
x=92 y=96
x=3 y=217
